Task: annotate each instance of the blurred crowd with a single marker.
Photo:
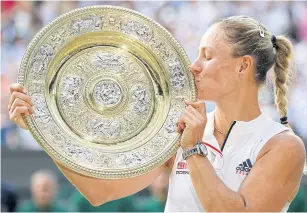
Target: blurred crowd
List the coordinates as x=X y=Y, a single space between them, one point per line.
x=187 y=21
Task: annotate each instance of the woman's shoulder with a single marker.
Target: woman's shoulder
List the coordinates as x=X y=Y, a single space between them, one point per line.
x=286 y=144
x=288 y=140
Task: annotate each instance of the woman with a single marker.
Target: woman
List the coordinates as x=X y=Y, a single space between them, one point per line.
x=247 y=162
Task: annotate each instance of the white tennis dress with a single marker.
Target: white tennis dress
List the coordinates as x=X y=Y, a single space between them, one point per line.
x=232 y=164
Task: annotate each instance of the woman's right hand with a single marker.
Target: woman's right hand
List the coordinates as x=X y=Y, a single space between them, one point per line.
x=19 y=104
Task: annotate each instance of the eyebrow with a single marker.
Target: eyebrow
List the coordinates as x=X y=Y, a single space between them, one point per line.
x=204 y=47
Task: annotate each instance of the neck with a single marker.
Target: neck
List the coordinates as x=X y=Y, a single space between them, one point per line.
x=243 y=106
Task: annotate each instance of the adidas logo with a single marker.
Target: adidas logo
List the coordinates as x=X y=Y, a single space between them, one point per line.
x=244 y=168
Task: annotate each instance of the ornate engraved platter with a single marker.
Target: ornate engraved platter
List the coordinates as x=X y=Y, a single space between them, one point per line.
x=108 y=86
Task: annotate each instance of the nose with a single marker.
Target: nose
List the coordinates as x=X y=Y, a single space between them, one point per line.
x=195 y=67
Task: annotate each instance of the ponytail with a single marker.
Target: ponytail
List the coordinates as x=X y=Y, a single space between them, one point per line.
x=282 y=73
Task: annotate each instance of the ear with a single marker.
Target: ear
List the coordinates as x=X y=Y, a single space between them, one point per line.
x=246 y=64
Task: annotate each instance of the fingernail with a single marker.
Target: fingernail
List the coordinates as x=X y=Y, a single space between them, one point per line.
x=24 y=90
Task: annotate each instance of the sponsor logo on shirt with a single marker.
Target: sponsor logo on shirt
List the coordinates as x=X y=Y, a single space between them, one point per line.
x=182 y=165
x=182 y=168
x=182 y=173
x=244 y=168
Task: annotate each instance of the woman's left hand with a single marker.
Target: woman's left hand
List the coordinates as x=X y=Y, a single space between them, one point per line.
x=192 y=122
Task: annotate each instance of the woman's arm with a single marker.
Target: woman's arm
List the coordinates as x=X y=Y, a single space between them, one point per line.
x=99 y=191
x=269 y=185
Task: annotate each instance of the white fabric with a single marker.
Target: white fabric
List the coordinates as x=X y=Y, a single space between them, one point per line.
x=244 y=143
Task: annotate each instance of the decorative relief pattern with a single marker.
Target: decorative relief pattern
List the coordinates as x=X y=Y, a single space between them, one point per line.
x=91 y=23
x=177 y=77
x=140 y=30
x=108 y=60
x=140 y=99
x=41 y=60
x=107 y=93
x=41 y=112
x=104 y=127
x=111 y=22
x=71 y=90
x=59 y=37
x=170 y=126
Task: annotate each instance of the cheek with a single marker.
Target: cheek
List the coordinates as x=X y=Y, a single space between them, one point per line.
x=208 y=87
x=227 y=77
x=217 y=79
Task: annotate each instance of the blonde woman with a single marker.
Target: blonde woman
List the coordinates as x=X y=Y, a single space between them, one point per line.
x=233 y=159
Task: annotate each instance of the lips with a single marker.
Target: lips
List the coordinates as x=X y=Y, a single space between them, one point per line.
x=196 y=83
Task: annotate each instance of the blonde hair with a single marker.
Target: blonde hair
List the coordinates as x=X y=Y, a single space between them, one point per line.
x=282 y=73
x=250 y=37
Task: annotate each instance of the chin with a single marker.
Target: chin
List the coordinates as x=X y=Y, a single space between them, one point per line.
x=205 y=95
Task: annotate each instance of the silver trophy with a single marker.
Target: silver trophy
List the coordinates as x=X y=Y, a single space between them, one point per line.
x=108 y=86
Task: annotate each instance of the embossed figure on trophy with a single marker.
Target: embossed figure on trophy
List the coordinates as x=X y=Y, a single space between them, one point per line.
x=107 y=93
x=140 y=99
x=171 y=124
x=129 y=158
x=177 y=76
x=178 y=79
x=142 y=31
x=71 y=87
x=58 y=38
x=108 y=129
x=42 y=58
x=88 y=24
x=40 y=108
x=108 y=60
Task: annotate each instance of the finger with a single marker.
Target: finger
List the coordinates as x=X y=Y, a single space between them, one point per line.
x=21 y=96
x=199 y=104
x=180 y=126
x=186 y=118
x=16 y=115
x=189 y=119
x=17 y=87
x=180 y=123
x=19 y=102
x=193 y=111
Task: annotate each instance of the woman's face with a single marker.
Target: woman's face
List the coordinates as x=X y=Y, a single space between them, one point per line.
x=215 y=70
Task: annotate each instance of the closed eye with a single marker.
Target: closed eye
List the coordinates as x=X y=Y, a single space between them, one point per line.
x=207 y=58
